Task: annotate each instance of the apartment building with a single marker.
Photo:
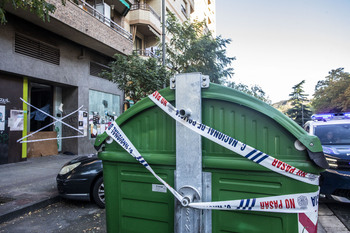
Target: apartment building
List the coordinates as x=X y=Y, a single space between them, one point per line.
x=205 y=10
x=53 y=66
x=49 y=71
x=145 y=22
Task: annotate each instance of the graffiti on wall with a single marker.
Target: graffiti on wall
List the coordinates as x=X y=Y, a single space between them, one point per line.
x=4 y=101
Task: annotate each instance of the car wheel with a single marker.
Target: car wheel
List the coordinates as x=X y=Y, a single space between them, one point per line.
x=98 y=192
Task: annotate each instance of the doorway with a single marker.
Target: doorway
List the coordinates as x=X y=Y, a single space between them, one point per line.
x=41 y=96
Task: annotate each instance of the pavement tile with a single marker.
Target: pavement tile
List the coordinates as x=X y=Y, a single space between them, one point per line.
x=28 y=184
x=323 y=210
x=336 y=230
x=331 y=223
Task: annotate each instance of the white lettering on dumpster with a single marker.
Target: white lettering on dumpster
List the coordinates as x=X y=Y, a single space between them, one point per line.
x=233 y=144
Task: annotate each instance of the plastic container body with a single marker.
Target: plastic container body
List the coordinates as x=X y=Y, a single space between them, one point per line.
x=133 y=202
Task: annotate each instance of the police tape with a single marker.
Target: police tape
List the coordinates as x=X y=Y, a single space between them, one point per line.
x=292 y=203
x=21 y=140
x=234 y=145
x=118 y=135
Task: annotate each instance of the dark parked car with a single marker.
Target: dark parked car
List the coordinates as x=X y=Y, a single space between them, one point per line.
x=82 y=179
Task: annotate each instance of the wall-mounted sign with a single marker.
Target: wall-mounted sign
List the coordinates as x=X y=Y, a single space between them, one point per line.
x=83 y=121
x=2 y=117
x=16 y=120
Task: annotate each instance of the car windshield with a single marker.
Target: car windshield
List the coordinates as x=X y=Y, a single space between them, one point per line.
x=333 y=134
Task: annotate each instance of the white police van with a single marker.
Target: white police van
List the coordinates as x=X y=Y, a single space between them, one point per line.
x=333 y=131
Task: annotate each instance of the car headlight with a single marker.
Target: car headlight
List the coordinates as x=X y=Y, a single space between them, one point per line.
x=68 y=168
x=333 y=163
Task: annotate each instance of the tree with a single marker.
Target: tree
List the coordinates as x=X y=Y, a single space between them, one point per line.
x=254 y=90
x=299 y=112
x=189 y=50
x=333 y=93
x=136 y=76
x=192 y=50
x=40 y=7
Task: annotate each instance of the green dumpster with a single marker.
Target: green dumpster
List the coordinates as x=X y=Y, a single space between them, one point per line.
x=137 y=202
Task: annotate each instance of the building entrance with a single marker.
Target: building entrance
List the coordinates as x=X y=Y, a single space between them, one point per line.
x=41 y=96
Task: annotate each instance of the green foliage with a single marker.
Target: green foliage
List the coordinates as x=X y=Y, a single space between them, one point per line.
x=333 y=93
x=254 y=90
x=299 y=111
x=136 y=76
x=39 y=7
x=192 y=50
x=189 y=50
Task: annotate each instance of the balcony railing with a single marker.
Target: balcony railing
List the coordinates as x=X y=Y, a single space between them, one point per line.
x=145 y=52
x=183 y=10
x=93 y=12
x=144 y=7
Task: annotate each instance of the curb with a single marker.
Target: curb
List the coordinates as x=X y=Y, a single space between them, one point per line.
x=320 y=228
x=12 y=214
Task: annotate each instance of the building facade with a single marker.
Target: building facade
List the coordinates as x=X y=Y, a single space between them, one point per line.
x=49 y=71
x=205 y=10
x=50 y=84
x=144 y=21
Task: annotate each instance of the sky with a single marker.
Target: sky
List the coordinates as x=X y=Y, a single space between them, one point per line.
x=279 y=43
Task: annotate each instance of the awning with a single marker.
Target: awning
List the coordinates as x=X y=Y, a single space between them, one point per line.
x=122 y=6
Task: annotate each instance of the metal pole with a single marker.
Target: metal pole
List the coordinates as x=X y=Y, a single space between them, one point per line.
x=190 y=181
x=163 y=35
x=302 y=114
x=163 y=32
x=188 y=176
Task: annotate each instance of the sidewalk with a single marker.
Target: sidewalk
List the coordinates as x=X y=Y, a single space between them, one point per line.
x=330 y=222
x=30 y=185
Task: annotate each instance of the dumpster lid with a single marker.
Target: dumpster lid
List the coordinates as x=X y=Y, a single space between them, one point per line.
x=218 y=92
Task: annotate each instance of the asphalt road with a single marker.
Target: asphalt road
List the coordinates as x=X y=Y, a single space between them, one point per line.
x=63 y=217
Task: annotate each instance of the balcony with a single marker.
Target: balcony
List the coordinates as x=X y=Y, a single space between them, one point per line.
x=84 y=25
x=145 y=52
x=147 y=20
x=93 y=12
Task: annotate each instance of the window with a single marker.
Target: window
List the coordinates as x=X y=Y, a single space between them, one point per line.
x=36 y=49
x=103 y=108
x=96 y=69
x=338 y=134
x=137 y=43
